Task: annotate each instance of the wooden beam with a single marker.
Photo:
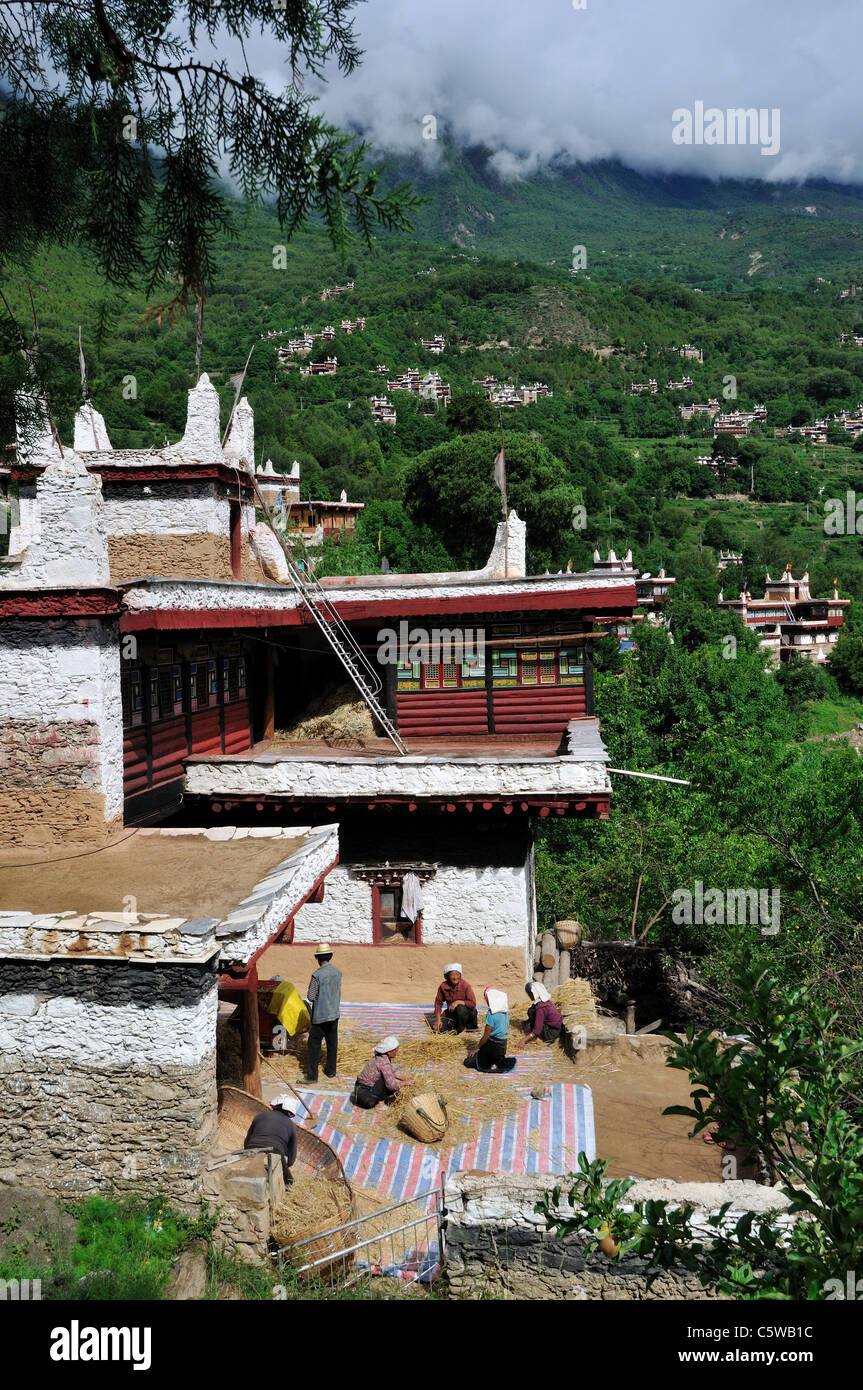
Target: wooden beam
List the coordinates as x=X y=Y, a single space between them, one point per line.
x=251 y=1036
x=269 y=693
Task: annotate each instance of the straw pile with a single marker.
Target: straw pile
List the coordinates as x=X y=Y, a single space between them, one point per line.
x=575 y=1000
x=336 y=714
x=468 y=1105
x=311 y=1205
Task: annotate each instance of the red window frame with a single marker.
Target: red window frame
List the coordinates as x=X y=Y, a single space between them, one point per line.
x=377 y=922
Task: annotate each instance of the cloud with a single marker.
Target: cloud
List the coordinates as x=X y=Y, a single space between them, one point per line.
x=543 y=82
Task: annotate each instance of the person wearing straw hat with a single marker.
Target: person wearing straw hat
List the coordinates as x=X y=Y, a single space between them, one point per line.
x=379 y=1079
x=455 y=1000
x=274 y=1131
x=324 y=1000
x=490 y=1054
x=544 y=1019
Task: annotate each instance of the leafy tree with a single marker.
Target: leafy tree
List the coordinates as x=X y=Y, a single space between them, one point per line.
x=846 y=660
x=452 y=489
x=93 y=91
x=469 y=412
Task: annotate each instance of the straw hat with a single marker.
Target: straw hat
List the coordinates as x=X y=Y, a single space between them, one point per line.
x=323 y=948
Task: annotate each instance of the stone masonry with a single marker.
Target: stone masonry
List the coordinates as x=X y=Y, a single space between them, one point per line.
x=497 y=1245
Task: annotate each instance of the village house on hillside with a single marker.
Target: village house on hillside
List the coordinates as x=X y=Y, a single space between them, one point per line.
x=788 y=619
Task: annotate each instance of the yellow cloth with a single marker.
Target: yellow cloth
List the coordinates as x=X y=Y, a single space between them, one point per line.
x=287 y=1006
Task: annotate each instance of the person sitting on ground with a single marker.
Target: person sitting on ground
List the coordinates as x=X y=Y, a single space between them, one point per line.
x=379 y=1079
x=490 y=1053
x=456 y=1001
x=274 y=1130
x=544 y=1018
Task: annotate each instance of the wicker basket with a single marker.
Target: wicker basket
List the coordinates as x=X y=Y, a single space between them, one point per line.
x=568 y=934
x=425 y=1118
x=315 y=1158
x=238 y=1108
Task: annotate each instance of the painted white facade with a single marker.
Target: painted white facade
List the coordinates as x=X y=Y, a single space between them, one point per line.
x=170 y=509
x=65 y=537
x=461 y=907
x=323 y=778
x=345 y=915
x=59 y=672
x=49 y=1030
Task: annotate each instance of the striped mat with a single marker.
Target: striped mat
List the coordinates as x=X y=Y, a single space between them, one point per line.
x=541 y=1136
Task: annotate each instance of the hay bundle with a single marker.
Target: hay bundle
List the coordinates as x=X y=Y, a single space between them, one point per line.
x=336 y=714
x=576 y=997
x=312 y=1205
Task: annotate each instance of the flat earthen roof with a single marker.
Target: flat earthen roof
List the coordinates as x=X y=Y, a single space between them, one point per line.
x=185 y=875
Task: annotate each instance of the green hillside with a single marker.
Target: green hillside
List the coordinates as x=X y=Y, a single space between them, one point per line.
x=690 y=230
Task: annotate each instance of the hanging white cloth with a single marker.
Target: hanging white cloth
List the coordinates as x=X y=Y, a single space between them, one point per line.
x=412 y=897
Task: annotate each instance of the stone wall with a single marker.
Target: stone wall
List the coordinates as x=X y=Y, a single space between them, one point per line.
x=246 y=1194
x=497 y=1245
x=62 y=757
x=107 y=1075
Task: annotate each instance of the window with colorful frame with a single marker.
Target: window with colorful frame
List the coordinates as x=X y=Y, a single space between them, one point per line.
x=234 y=679
x=132 y=694
x=466 y=674
x=203 y=685
x=571 y=661
x=166 y=691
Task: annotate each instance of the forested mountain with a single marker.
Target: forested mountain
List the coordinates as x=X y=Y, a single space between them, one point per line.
x=630 y=459
x=692 y=230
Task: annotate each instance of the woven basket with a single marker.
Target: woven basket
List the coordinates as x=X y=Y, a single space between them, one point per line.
x=426 y=1118
x=568 y=934
x=315 y=1158
x=238 y=1108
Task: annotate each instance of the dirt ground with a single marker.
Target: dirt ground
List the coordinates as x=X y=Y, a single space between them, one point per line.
x=398 y=974
x=182 y=875
x=630 y=1092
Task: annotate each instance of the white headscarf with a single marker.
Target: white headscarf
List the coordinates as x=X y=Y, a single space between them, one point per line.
x=388 y=1044
x=287 y=1102
x=538 y=993
x=497 y=1001
x=455 y=966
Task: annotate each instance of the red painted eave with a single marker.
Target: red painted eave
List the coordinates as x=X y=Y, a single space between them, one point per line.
x=59 y=603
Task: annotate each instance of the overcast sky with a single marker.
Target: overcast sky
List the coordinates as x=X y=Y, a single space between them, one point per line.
x=539 y=81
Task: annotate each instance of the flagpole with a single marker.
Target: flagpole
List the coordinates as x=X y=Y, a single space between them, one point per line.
x=505 y=504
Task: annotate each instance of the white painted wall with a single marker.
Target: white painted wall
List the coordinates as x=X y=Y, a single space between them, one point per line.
x=476 y=907
x=50 y=1030
x=172 y=509
x=60 y=670
x=328 y=778
x=470 y=907
x=345 y=915
x=66 y=538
